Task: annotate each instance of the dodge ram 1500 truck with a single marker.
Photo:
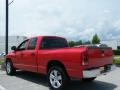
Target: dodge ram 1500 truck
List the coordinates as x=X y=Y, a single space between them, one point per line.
x=52 y=56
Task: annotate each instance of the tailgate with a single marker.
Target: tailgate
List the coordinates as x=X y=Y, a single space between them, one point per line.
x=98 y=57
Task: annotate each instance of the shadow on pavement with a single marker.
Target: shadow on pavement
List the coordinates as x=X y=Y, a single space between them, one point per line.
x=95 y=85
x=74 y=85
x=32 y=77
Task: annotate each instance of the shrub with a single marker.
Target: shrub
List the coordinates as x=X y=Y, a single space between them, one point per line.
x=117 y=62
x=116 y=52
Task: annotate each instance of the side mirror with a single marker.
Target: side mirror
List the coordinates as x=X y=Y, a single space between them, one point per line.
x=13 y=48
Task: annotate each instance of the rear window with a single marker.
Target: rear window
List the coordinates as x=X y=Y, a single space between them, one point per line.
x=53 y=43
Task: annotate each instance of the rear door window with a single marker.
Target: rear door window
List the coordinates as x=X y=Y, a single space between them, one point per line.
x=53 y=43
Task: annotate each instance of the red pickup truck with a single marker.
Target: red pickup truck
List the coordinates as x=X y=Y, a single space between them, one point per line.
x=52 y=56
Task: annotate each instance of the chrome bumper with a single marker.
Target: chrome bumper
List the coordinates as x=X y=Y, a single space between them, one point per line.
x=96 y=72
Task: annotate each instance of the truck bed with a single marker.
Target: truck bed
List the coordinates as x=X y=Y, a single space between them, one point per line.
x=98 y=56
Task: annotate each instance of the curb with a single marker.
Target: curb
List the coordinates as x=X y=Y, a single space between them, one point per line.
x=118 y=65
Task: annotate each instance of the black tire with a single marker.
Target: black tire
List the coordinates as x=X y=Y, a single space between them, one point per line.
x=10 y=70
x=60 y=73
x=89 y=79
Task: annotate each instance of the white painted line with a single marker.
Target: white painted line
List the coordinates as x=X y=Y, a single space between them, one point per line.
x=2 y=88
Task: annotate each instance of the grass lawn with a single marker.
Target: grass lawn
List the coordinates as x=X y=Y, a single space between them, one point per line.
x=117 y=60
x=1 y=61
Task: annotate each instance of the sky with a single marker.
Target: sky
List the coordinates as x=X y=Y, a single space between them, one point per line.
x=72 y=19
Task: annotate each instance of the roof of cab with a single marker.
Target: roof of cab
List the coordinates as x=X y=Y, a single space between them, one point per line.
x=46 y=36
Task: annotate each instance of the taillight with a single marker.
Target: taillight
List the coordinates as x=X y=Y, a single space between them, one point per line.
x=85 y=60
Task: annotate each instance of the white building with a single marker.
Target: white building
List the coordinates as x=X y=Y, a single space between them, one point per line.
x=115 y=44
x=13 y=41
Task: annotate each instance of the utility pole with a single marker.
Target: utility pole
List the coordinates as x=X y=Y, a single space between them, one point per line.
x=7 y=26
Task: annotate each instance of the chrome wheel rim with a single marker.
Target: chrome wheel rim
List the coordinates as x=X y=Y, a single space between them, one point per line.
x=55 y=79
x=8 y=67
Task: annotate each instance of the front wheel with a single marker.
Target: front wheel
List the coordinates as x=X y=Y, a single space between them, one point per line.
x=57 y=78
x=9 y=68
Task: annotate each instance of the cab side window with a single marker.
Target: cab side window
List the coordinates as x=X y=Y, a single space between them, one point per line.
x=23 y=45
x=32 y=44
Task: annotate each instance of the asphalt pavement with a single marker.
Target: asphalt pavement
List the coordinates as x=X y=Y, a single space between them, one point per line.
x=31 y=81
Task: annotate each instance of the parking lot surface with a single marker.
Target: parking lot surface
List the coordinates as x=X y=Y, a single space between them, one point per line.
x=30 y=81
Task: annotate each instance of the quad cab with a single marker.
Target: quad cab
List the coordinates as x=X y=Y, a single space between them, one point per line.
x=52 y=56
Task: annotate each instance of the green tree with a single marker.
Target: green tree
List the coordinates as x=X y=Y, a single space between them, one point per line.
x=78 y=42
x=71 y=43
x=75 y=43
x=86 y=42
x=96 y=39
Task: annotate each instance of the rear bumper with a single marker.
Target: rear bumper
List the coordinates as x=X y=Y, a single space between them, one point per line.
x=96 y=72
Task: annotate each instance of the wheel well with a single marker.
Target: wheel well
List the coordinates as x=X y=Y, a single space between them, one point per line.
x=7 y=59
x=56 y=63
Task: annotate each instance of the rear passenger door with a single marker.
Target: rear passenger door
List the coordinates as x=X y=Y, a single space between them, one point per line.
x=30 y=56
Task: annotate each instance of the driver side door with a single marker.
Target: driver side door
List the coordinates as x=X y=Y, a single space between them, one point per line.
x=19 y=54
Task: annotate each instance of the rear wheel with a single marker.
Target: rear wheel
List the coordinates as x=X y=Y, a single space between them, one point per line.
x=57 y=78
x=10 y=70
x=89 y=79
